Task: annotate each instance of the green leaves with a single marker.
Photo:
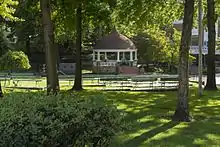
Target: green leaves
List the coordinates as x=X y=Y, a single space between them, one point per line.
x=96 y=14
x=62 y=120
x=14 y=60
x=7 y=10
x=140 y=14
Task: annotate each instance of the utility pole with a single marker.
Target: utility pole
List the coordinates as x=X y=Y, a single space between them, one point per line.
x=200 y=45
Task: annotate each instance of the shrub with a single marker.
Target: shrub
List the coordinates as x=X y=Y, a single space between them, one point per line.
x=64 y=120
x=14 y=60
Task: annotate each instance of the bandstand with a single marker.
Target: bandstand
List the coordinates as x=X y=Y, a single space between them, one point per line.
x=112 y=52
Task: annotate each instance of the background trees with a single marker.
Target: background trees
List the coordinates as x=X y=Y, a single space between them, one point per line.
x=28 y=32
x=158 y=46
x=211 y=20
x=6 y=12
x=85 y=22
x=78 y=73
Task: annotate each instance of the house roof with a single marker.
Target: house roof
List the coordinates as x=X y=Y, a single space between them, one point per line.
x=114 y=40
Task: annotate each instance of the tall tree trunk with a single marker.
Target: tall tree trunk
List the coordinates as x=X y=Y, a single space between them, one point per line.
x=78 y=73
x=211 y=81
x=182 y=112
x=1 y=92
x=50 y=50
x=27 y=45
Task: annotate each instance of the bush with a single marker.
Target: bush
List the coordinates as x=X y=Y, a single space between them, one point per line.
x=14 y=60
x=64 y=120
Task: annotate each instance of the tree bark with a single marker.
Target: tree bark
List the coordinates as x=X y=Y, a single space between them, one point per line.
x=211 y=81
x=28 y=47
x=182 y=112
x=1 y=92
x=78 y=73
x=50 y=50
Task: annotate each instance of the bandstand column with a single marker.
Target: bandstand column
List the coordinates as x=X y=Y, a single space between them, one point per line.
x=93 y=55
x=131 y=56
x=136 y=55
x=98 y=56
x=105 y=55
x=118 y=56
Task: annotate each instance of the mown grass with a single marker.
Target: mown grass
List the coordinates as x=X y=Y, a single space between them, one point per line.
x=147 y=115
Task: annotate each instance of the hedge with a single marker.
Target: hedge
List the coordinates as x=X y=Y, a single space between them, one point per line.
x=62 y=120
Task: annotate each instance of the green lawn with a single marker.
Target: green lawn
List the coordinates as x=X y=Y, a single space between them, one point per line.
x=148 y=114
x=64 y=83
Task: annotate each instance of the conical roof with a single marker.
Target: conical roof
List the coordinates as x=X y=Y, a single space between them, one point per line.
x=114 y=40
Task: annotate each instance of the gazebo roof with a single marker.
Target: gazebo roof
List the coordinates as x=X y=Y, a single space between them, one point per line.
x=114 y=41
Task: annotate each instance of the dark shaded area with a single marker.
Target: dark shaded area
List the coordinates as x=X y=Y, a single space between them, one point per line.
x=211 y=69
x=78 y=78
x=1 y=92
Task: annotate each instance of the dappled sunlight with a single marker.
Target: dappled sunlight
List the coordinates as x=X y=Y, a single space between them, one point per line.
x=149 y=133
x=149 y=114
x=188 y=134
x=139 y=132
x=217 y=123
x=122 y=106
x=145 y=119
x=200 y=141
x=208 y=111
x=214 y=136
x=163 y=135
x=213 y=102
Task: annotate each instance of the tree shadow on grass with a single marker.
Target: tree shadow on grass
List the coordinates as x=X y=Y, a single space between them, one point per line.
x=138 y=140
x=198 y=133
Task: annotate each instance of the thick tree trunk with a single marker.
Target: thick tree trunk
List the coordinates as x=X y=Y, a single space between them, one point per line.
x=78 y=73
x=50 y=50
x=1 y=92
x=211 y=81
x=182 y=112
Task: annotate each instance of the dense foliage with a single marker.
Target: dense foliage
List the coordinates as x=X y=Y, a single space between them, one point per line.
x=6 y=9
x=64 y=120
x=29 y=32
x=14 y=60
x=150 y=48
